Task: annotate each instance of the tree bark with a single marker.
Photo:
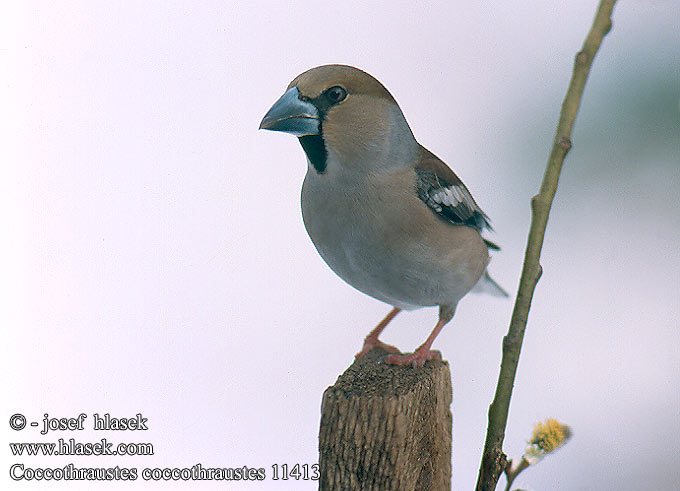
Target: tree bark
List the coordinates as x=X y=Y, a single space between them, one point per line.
x=385 y=427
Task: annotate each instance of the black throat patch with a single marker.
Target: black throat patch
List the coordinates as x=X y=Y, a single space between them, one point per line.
x=315 y=150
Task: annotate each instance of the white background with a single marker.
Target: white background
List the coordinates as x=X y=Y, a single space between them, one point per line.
x=154 y=258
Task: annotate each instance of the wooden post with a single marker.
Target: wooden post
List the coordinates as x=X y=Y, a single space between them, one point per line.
x=385 y=427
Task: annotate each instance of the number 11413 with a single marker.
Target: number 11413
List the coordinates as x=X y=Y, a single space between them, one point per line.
x=305 y=472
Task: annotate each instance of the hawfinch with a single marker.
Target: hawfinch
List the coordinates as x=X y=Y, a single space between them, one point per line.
x=387 y=215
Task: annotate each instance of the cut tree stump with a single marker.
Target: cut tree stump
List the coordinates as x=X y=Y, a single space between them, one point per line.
x=385 y=427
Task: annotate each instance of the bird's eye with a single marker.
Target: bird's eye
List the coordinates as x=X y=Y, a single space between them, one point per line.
x=336 y=94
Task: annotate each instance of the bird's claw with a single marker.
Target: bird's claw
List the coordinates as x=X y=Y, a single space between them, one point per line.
x=416 y=359
x=369 y=344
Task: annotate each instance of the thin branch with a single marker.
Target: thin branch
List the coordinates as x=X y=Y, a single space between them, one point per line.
x=493 y=459
x=511 y=472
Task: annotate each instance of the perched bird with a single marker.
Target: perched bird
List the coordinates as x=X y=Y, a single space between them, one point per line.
x=387 y=215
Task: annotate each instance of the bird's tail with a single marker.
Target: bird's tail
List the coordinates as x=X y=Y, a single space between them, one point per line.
x=486 y=284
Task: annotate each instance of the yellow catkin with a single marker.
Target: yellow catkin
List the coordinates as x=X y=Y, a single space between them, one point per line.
x=550 y=435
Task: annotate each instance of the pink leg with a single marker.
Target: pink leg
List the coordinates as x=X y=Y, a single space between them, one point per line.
x=372 y=340
x=423 y=353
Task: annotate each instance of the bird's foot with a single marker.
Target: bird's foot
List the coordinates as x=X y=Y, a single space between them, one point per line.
x=371 y=343
x=417 y=359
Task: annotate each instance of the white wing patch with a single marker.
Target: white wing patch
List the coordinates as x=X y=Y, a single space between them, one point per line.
x=452 y=196
x=453 y=202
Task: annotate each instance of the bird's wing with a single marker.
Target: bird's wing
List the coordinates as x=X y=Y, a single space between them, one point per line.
x=441 y=189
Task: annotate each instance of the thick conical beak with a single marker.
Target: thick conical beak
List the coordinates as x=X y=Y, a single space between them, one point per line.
x=290 y=114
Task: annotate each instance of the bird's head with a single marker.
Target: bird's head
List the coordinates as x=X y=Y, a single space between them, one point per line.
x=344 y=115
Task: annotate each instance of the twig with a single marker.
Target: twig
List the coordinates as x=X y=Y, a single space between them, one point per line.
x=493 y=459
x=511 y=473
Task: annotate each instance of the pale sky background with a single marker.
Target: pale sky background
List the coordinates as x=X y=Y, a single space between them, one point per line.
x=154 y=258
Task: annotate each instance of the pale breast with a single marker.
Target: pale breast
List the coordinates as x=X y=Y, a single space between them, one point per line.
x=381 y=239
